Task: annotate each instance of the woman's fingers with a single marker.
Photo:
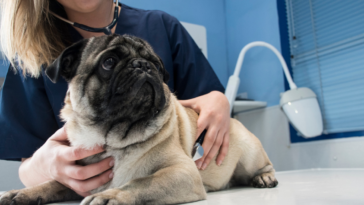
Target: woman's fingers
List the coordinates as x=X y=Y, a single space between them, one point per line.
x=213 y=109
x=191 y=104
x=216 y=129
x=202 y=122
x=77 y=153
x=89 y=171
x=207 y=144
x=223 y=150
x=82 y=187
x=201 y=126
x=214 y=148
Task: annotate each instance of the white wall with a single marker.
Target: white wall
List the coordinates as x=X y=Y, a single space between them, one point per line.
x=271 y=126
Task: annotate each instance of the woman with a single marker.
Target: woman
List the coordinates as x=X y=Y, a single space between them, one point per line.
x=30 y=105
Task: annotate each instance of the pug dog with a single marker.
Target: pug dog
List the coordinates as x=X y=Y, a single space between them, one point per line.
x=118 y=98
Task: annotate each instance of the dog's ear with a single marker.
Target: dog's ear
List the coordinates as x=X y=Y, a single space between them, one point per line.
x=66 y=63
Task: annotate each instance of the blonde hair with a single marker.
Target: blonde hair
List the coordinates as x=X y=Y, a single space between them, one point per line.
x=28 y=36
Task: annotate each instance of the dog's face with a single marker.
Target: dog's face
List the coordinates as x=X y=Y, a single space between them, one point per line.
x=113 y=79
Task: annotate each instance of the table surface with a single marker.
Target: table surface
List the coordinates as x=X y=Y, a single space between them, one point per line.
x=314 y=186
x=241 y=105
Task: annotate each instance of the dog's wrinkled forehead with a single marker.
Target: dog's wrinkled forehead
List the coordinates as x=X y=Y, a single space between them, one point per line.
x=128 y=46
x=86 y=55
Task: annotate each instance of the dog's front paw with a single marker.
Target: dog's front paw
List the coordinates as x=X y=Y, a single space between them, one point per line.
x=108 y=197
x=264 y=180
x=19 y=197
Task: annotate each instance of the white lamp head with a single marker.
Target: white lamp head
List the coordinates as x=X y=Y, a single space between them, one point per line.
x=299 y=104
x=302 y=109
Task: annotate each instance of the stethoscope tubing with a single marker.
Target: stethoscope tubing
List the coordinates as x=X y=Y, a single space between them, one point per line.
x=106 y=29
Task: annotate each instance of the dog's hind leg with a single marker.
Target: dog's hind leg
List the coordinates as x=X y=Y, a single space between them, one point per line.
x=264 y=178
x=254 y=167
x=260 y=178
x=47 y=192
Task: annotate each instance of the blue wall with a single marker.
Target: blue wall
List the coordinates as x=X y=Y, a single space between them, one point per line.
x=255 y=20
x=209 y=13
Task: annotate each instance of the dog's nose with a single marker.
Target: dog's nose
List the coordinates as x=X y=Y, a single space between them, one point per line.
x=142 y=64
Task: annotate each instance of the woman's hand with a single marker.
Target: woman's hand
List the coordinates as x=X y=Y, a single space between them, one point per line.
x=56 y=160
x=213 y=109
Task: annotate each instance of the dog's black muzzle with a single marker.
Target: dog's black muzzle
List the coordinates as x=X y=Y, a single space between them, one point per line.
x=142 y=74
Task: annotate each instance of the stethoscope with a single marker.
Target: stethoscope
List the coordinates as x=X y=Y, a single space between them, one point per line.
x=106 y=29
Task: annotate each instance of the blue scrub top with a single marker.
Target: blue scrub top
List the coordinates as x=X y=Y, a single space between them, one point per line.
x=30 y=108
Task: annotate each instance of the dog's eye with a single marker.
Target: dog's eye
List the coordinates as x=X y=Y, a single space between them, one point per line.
x=109 y=64
x=157 y=66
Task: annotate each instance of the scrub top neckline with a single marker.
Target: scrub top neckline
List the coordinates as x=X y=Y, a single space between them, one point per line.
x=76 y=36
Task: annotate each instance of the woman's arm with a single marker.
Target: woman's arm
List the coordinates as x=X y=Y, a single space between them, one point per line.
x=213 y=109
x=28 y=176
x=55 y=160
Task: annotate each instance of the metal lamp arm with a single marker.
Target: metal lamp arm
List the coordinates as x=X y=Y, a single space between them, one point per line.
x=234 y=81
